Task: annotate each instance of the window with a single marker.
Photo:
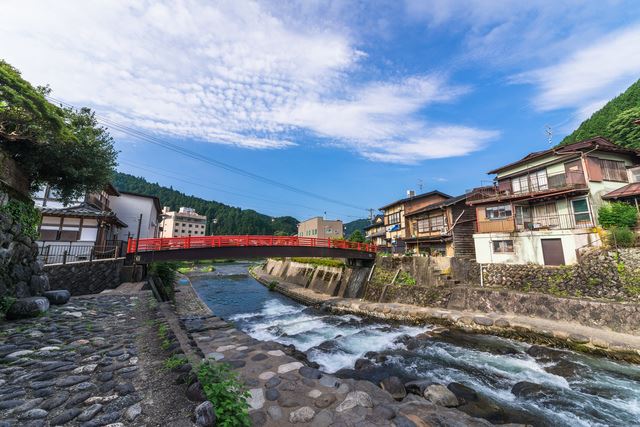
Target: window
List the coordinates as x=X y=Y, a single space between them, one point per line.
x=498 y=212
x=437 y=223
x=423 y=225
x=613 y=170
x=502 y=246
x=534 y=181
x=48 y=234
x=190 y=225
x=69 y=235
x=581 y=210
x=394 y=218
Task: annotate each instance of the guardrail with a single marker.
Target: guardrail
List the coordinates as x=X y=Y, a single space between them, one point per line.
x=62 y=253
x=172 y=243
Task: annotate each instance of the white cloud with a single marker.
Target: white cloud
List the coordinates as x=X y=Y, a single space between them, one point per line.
x=589 y=76
x=226 y=72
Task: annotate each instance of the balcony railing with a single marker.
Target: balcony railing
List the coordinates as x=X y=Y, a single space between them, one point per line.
x=548 y=222
x=57 y=252
x=534 y=185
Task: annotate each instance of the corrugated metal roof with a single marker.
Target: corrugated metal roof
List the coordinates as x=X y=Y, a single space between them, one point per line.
x=629 y=190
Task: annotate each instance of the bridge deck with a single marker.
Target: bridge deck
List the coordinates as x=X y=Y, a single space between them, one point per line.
x=209 y=247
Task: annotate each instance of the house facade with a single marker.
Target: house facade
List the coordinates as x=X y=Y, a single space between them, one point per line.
x=394 y=217
x=129 y=206
x=445 y=228
x=183 y=222
x=376 y=232
x=543 y=208
x=80 y=227
x=320 y=228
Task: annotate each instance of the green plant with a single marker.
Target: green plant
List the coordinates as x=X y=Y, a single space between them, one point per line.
x=226 y=393
x=326 y=262
x=24 y=214
x=405 y=278
x=272 y=285
x=174 y=362
x=5 y=304
x=621 y=237
x=617 y=214
x=166 y=272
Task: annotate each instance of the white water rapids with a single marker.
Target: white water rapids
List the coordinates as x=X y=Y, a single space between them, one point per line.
x=597 y=392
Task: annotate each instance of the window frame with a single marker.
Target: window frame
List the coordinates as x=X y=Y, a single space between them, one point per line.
x=587 y=212
x=393 y=221
x=505 y=207
x=503 y=247
x=618 y=173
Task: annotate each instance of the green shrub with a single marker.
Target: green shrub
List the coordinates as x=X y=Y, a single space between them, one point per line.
x=621 y=237
x=326 y=262
x=272 y=285
x=5 y=303
x=617 y=214
x=405 y=278
x=226 y=393
x=24 y=214
x=166 y=272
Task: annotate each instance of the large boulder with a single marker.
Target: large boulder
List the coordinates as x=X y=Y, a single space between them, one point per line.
x=463 y=393
x=530 y=390
x=417 y=387
x=441 y=396
x=58 y=297
x=39 y=284
x=27 y=307
x=393 y=386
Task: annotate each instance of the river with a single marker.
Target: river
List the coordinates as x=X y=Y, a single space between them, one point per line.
x=575 y=389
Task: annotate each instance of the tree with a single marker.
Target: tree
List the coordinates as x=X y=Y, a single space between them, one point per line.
x=357 y=236
x=623 y=129
x=62 y=147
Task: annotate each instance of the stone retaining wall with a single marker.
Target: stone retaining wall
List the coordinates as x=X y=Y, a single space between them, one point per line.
x=85 y=277
x=619 y=317
x=600 y=273
x=21 y=274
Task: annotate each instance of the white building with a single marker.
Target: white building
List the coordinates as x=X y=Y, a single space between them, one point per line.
x=185 y=222
x=129 y=206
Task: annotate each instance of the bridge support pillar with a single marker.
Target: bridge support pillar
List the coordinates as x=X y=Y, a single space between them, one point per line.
x=354 y=262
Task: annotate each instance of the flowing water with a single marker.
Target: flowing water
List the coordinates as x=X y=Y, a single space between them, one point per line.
x=576 y=390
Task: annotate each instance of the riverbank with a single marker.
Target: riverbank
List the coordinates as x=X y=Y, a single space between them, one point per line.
x=561 y=334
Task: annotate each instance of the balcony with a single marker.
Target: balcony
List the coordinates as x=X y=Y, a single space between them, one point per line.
x=537 y=223
x=534 y=185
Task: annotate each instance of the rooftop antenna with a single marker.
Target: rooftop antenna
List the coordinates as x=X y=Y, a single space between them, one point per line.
x=420 y=184
x=549 y=132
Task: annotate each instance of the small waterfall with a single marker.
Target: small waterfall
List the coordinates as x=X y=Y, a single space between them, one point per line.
x=355 y=285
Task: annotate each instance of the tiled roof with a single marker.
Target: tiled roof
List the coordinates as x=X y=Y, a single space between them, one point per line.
x=416 y=197
x=628 y=190
x=445 y=203
x=598 y=141
x=85 y=210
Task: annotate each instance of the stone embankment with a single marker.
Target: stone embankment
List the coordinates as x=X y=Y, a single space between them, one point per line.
x=600 y=341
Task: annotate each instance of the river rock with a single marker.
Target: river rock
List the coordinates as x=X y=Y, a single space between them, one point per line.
x=441 y=396
x=463 y=393
x=394 y=387
x=58 y=297
x=564 y=368
x=324 y=400
x=205 y=415
x=417 y=387
x=353 y=399
x=362 y=364
x=195 y=393
x=27 y=307
x=545 y=353
x=311 y=373
x=383 y=412
x=302 y=415
x=530 y=390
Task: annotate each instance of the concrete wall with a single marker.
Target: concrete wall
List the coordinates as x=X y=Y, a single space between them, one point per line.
x=344 y=281
x=82 y=278
x=528 y=245
x=128 y=208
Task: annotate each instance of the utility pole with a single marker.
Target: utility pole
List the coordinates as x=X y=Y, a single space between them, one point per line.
x=371 y=210
x=135 y=254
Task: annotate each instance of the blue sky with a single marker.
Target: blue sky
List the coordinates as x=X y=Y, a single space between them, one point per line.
x=352 y=101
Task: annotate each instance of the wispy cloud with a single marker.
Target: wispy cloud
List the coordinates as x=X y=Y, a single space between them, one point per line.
x=590 y=76
x=227 y=72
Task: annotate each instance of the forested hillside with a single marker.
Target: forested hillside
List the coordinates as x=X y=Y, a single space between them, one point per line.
x=352 y=226
x=230 y=220
x=614 y=121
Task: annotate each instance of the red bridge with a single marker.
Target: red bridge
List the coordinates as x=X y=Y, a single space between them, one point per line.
x=145 y=251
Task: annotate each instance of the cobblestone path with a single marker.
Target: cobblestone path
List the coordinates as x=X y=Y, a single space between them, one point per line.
x=92 y=362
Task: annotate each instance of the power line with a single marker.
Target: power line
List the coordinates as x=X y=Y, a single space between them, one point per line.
x=197 y=156
x=171 y=176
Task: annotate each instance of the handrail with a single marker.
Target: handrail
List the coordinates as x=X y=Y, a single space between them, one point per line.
x=172 y=243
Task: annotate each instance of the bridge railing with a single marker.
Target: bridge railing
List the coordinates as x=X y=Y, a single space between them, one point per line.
x=169 y=243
